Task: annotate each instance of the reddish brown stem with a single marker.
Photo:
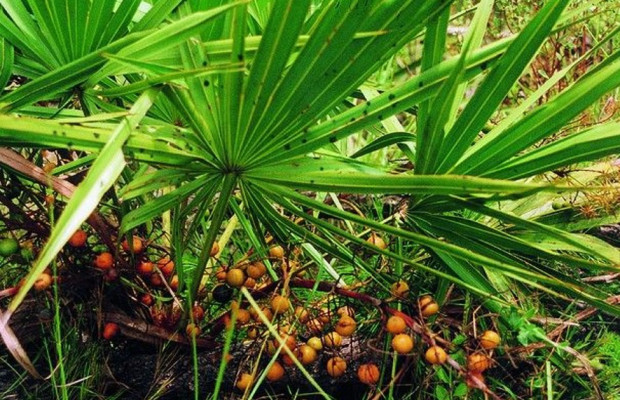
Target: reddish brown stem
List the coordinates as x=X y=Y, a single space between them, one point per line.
x=18 y=163
x=9 y=292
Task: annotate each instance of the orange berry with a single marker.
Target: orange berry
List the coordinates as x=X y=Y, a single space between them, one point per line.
x=376 y=240
x=276 y=372
x=280 y=304
x=395 y=325
x=301 y=314
x=137 y=245
x=174 y=283
x=325 y=315
x=256 y=270
x=489 y=340
x=402 y=343
x=345 y=326
x=276 y=252
x=287 y=329
x=192 y=330
x=289 y=341
x=368 y=374
x=288 y=360
x=156 y=280
x=250 y=283
x=346 y=310
x=400 y=289
x=146 y=299
x=436 y=355
x=336 y=366
x=245 y=381
x=166 y=266
x=264 y=310
x=78 y=239
x=253 y=332
x=472 y=376
x=243 y=316
x=428 y=306
x=110 y=330
x=478 y=362
x=43 y=282
x=104 y=261
x=220 y=274
x=235 y=277
x=198 y=312
x=145 y=268
x=315 y=325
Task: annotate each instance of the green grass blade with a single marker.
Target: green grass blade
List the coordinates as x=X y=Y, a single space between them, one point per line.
x=163 y=38
x=591 y=144
x=541 y=281
x=431 y=137
x=278 y=40
x=68 y=76
x=432 y=54
x=384 y=141
x=157 y=206
x=6 y=62
x=388 y=103
x=97 y=17
x=546 y=119
x=354 y=177
x=156 y=15
x=496 y=85
x=118 y=22
x=352 y=64
x=102 y=175
x=530 y=225
x=29 y=42
x=233 y=88
x=44 y=133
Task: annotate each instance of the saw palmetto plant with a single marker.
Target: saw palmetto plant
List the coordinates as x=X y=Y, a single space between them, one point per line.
x=188 y=115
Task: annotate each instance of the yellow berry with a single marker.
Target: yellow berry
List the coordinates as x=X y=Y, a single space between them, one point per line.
x=376 y=240
x=276 y=252
x=395 y=325
x=489 y=340
x=402 y=343
x=428 y=306
x=332 y=339
x=400 y=288
x=436 y=355
x=315 y=343
x=307 y=354
x=280 y=304
x=235 y=277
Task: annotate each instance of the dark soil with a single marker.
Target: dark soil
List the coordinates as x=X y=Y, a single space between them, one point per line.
x=139 y=371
